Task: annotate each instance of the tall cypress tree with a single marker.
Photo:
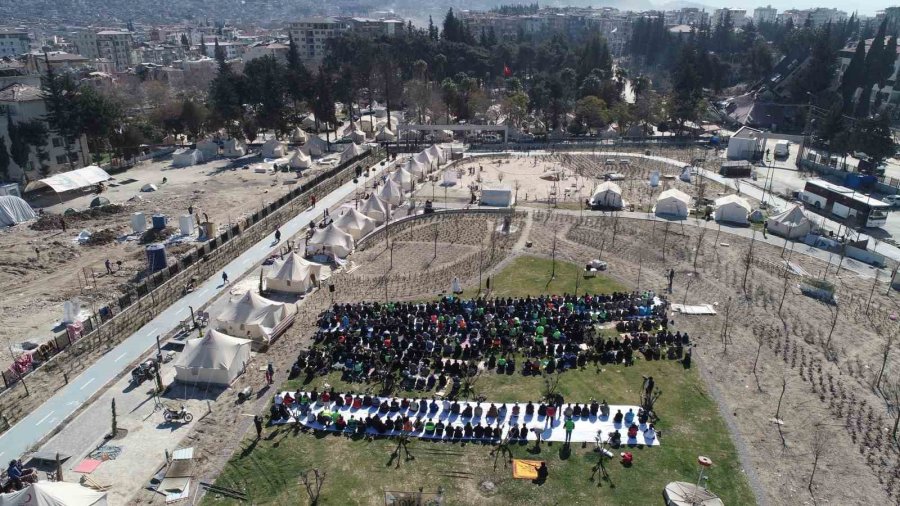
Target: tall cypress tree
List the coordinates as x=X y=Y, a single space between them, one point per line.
x=854 y=75
x=4 y=160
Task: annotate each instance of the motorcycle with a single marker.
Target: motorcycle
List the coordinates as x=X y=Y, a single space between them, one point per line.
x=144 y=371
x=180 y=415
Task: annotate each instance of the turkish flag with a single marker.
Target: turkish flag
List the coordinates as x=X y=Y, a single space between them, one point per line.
x=506 y=71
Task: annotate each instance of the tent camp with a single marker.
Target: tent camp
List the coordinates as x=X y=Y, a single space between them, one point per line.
x=186 y=157
x=355 y=223
x=417 y=169
x=352 y=151
x=385 y=134
x=208 y=149
x=607 y=195
x=309 y=123
x=391 y=193
x=54 y=493
x=14 y=210
x=298 y=136
x=425 y=158
x=273 y=148
x=330 y=240
x=732 y=209
x=253 y=317
x=71 y=180
x=500 y=196
x=791 y=224
x=673 y=203
x=376 y=209
x=295 y=274
x=300 y=160
x=437 y=153
x=403 y=178
x=214 y=359
x=315 y=146
x=233 y=148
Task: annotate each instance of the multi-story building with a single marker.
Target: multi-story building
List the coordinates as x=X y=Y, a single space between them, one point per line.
x=23 y=103
x=767 y=14
x=58 y=60
x=233 y=50
x=888 y=96
x=276 y=50
x=85 y=42
x=311 y=35
x=738 y=16
x=817 y=17
x=14 y=42
x=376 y=27
x=116 y=46
x=691 y=16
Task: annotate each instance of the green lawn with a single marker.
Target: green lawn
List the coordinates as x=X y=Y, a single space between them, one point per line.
x=529 y=275
x=360 y=471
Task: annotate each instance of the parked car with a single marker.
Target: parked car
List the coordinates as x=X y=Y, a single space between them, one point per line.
x=893 y=200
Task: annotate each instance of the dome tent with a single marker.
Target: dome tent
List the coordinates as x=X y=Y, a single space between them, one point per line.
x=355 y=223
x=315 y=146
x=376 y=209
x=99 y=202
x=352 y=151
x=273 y=148
x=391 y=193
x=300 y=160
x=215 y=359
x=332 y=241
x=149 y=187
x=608 y=195
x=253 y=316
x=791 y=224
x=732 y=209
x=673 y=203
x=14 y=210
x=403 y=178
x=295 y=274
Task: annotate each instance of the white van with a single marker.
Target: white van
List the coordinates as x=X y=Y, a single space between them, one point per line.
x=781 y=148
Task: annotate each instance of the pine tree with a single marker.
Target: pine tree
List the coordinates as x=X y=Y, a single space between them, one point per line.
x=299 y=78
x=59 y=92
x=203 y=46
x=4 y=160
x=854 y=75
x=219 y=53
x=185 y=43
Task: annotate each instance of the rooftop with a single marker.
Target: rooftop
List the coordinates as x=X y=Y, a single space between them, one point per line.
x=20 y=93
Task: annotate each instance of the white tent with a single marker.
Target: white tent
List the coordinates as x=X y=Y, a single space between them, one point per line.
x=417 y=169
x=309 y=123
x=385 y=134
x=376 y=209
x=673 y=203
x=315 y=146
x=425 y=158
x=355 y=223
x=71 y=180
x=214 y=359
x=391 y=193
x=607 y=194
x=149 y=187
x=792 y=223
x=299 y=136
x=733 y=209
x=352 y=151
x=54 y=493
x=186 y=157
x=403 y=178
x=295 y=274
x=501 y=196
x=273 y=148
x=330 y=240
x=14 y=210
x=437 y=153
x=300 y=160
x=234 y=148
x=355 y=135
x=253 y=316
x=208 y=149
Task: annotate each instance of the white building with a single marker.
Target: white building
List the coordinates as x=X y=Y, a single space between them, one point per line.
x=24 y=103
x=233 y=50
x=13 y=43
x=117 y=47
x=312 y=34
x=276 y=50
x=738 y=16
x=767 y=14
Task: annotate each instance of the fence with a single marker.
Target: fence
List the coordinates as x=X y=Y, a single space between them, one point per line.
x=576 y=143
x=159 y=290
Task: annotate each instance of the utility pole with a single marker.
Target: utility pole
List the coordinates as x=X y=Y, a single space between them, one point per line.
x=553 y=271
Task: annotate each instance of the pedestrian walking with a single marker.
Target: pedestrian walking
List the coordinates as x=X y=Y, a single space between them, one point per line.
x=224 y=278
x=108 y=265
x=270 y=373
x=191 y=209
x=257 y=421
x=277 y=235
x=765 y=229
x=671 y=278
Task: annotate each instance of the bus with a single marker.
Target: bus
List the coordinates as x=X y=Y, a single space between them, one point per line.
x=845 y=203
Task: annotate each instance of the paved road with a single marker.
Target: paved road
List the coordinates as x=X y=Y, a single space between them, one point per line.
x=44 y=419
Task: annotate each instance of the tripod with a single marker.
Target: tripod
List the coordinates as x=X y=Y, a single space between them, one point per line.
x=504 y=450
x=600 y=466
x=402 y=444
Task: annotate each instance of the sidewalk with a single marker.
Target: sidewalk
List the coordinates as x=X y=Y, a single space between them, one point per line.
x=47 y=417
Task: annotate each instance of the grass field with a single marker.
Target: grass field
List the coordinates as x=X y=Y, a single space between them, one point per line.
x=360 y=471
x=529 y=275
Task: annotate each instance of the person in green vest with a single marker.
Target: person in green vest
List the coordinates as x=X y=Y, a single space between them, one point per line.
x=569 y=426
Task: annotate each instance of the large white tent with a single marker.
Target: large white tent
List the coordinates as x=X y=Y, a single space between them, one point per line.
x=208 y=149
x=54 y=493
x=417 y=169
x=295 y=274
x=425 y=157
x=391 y=193
x=792 y=223
x=315 y=146
x=352 y=151
x=214 y=359
x=299 y=136
x=300 y=160
x=356 y=136
x=500 y=196
x=71 y=180
x=355 y=223
x=376 y=209
x=403 y=178
x=14 y=210
x=733 y=209
x=385 y=134
x=673 y=203
x=273 y=148
x=253 y=316
x=186 y=157
x=330 y=240
x=607 y=194
x=233 y=148
x=437 y=153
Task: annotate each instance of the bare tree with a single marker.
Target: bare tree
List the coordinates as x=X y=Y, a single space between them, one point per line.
x=891 y=392
x=699 y=244
x=748 y=261
x=724 y=335
x=819 y=445
x=313 y=481
x=760 y=340
x=886 y=351
x=831 y=332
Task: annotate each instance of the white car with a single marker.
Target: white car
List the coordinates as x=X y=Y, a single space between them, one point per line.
x=893 y=200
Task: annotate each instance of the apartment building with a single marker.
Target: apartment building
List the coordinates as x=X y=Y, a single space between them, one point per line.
x=13 y=43
x=116 y=46
x=767 y=14
x=311 y=35
x=738 y=16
